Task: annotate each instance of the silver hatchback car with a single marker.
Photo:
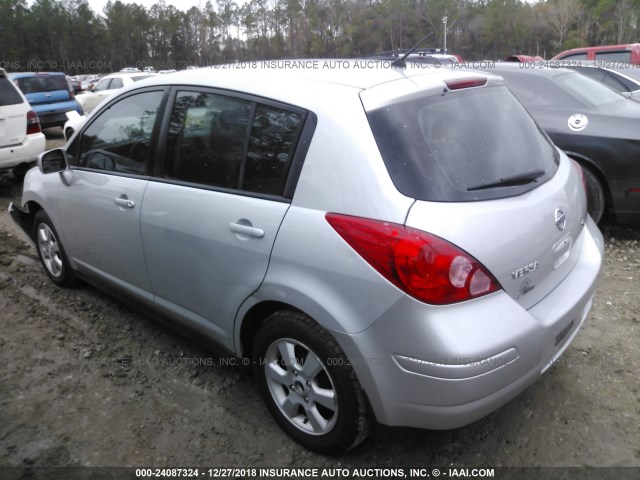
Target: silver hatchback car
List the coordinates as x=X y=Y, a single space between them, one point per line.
x=399 y=246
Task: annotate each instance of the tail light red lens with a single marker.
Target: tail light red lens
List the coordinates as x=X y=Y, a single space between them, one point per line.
x=33 y=123
x=422 y=265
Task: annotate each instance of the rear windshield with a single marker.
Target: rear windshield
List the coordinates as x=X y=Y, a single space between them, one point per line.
x=140 y=77
x=474 y=144
x=8 y=93
x=45 y=83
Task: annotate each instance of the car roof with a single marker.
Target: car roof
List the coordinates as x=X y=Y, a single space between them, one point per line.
x=13 y=75
x=548 y=69
x=283 y=74
x=311 y=84
x=125 y=75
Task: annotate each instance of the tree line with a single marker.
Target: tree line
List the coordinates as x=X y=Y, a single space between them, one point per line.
x=68 y=35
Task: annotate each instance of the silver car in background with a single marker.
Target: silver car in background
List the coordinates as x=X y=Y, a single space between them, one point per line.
x=400 y=246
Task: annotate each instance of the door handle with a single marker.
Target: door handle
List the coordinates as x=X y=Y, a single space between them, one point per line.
x=124 y=202
x=246 y=230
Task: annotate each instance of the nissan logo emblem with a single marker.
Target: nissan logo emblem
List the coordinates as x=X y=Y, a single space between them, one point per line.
x=560 y=219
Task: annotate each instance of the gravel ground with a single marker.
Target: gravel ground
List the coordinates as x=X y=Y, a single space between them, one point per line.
x=85 y=381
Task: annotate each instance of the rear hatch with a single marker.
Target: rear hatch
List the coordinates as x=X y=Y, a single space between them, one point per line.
x=45 y=88
x=485 y=177
x=13 y=114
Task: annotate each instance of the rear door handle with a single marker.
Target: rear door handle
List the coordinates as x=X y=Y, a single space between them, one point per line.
x=246 y=230
x=124 y=202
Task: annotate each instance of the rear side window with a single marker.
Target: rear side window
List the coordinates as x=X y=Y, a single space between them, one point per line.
x=473 y=144
x=8 y=93
x=620 y=56
x=221 y=141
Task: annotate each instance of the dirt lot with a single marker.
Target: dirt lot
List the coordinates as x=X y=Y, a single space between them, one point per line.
x=85 y=381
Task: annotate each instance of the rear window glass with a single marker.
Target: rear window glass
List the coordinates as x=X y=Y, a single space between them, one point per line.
x=8 y=93
x=45 y=83
x=474 y=144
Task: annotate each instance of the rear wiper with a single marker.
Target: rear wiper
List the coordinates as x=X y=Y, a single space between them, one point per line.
x=521 y=179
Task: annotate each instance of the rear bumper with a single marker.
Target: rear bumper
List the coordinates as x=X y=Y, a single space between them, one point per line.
x=445 y=367
x=58 y=117
x=26 y=152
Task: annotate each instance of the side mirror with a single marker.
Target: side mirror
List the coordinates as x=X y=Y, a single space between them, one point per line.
x=53 y=161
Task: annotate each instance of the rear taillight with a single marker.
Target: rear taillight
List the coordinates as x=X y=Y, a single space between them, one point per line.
x=578 y=168
x=422 y=265
x=33 y=123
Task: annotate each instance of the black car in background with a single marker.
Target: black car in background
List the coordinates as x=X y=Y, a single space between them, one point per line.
x=595 y=126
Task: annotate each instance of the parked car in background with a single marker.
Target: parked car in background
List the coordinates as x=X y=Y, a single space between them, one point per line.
x=73 y=124
x=90 y=81
x=130 y=70
x=107 y=86
x=76 y=85
x=164 y=72
x=624 y=80
x=21 y=139
x=405 y=246
x=438 y=56
x=594 y=125
x=621 y=54
x=524 y=58
x=50 y=95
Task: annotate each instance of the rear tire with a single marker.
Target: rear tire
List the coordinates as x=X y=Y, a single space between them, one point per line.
x=596 y=198
x=51 y=252
x=316 y=397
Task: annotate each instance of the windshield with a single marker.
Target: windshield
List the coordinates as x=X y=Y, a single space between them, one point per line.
x=473 y=144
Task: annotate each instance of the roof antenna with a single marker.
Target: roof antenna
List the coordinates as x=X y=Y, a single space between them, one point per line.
x=400 y=63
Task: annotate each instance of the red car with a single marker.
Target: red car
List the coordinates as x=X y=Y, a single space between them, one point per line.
x=628 y=53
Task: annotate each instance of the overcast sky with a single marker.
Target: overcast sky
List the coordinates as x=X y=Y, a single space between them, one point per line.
x=98 y=5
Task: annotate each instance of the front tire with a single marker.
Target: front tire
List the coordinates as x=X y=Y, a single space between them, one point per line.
x=308 y=384
x=51 y=252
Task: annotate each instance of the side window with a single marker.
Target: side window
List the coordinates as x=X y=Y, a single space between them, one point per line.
x=116 y=83
x=575 y=56
x=622 y=56
x=206 y=138
x=613 y=83
x=273 y=133
x=102 y=85
x=118 y=140
x=228 y=142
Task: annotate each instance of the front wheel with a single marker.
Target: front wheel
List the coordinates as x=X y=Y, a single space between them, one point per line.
x=51 y=252
x=308 y=385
